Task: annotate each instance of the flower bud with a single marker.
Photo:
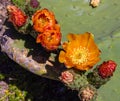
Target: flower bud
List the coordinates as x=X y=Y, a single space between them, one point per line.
x=34 y=3
x=87 y=93
x=66 y=77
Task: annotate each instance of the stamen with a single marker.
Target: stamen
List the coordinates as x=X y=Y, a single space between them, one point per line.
x=80 y=55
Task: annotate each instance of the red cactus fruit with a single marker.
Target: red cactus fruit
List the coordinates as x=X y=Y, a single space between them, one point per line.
x=107 y=68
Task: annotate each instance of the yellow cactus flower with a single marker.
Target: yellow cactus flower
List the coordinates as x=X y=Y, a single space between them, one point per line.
x=79 y=52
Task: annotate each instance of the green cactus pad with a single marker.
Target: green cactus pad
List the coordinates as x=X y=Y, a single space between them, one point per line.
x=77 y=16
x=110 y=50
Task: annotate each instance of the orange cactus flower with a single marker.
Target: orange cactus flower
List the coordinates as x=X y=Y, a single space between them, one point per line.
x=50 y=39
x=16 y=16
x=80 y=52
x=43 y=19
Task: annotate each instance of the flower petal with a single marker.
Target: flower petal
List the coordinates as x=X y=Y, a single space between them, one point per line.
x=71 y=36
x=38 y=40
x=62 y=57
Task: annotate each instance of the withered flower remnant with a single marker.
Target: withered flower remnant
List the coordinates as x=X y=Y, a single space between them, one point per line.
x=94 y=3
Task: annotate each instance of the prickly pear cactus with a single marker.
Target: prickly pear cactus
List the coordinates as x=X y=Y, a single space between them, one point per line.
x=72 y=16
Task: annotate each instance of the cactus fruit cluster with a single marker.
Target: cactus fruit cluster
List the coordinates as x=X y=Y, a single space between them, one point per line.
x=33 y=39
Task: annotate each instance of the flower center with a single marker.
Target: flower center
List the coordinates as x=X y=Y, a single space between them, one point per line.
x=43 y=19
x=80 y=55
